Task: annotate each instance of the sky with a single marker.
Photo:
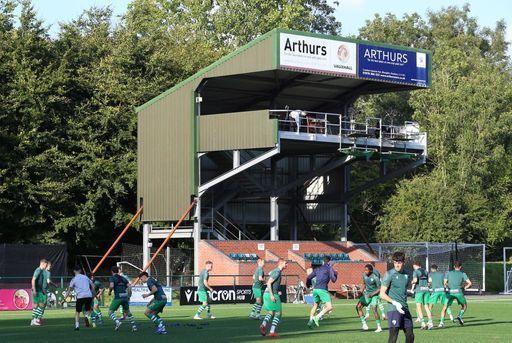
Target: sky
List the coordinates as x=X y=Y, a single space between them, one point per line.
x=351 y=13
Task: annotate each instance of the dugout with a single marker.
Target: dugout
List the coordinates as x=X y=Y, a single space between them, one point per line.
x=264 y=137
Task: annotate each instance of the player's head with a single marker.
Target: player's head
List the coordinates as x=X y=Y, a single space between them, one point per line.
x=433 y=268
x=398 y=261
x=282 y=263
x=368 y=269
x=457 y=265
x=144 y=277
x=77 y=270
x=48 y=265
x=114 y=270
x=416 y=264
x=43 y=263
x=327 y=259
x=261 y=262
x=208 y=265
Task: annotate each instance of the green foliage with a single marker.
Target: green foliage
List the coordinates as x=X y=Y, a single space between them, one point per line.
x=467 y=115
x=68 y=133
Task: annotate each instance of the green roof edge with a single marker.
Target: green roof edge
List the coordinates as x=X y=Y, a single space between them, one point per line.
x=275 y=56
x=207 y=69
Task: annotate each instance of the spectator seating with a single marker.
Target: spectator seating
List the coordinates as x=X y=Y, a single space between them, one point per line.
x=243 y=257
x=316 y=258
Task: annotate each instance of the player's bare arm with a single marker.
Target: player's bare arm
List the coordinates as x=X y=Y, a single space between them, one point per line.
x=269 y=286
x=205 y=282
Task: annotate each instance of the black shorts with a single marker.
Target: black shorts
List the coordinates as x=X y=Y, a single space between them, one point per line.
x=398 y=320
x=84 y=303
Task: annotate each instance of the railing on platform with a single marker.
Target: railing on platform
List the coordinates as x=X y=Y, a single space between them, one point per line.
x=333 y=124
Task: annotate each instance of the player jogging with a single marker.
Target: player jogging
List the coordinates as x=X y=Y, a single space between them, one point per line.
x=83 y=287
x=456 y=281
x=97 y=294
x=380 y=305
x=202 y=286
x=259 y=278
x=122 y=290
x=394 y=291
x=421 y=294
x=322 y=275
x=272 y=301
x=370 y=297
x=436 y=283
x=157 y=304
x=38 y=293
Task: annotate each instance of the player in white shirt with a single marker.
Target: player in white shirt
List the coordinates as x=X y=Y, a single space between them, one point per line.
x=83 y=287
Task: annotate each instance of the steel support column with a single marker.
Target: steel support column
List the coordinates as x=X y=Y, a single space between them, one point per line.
x=345 y=172
x=146 y=229
x=274 y=219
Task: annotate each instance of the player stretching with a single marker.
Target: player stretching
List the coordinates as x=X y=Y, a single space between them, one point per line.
x=259 y=278
x=436 y=282
x=380 y=305
x=457 y=282
x=202 y=286
x=97 y=294
x=421 y=295
x=322 y=275
x=157 y=304
x=272 y=301
x=122 y=290
x=38 y=293
x=394 y=291
x=370 y=297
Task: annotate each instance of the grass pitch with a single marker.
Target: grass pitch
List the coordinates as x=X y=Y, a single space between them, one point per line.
x=488 y=319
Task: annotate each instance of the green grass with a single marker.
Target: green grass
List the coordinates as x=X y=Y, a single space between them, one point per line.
x=489 y=319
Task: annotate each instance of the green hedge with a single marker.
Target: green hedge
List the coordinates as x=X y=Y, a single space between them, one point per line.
x=494 y=276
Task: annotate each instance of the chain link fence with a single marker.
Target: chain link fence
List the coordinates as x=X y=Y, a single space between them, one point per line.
x=472 y=257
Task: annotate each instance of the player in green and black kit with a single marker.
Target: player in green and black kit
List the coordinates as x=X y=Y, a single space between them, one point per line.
x=421 y=294
x=39 y=286
x=380 y=305
x=394 y=291
x=272 y=301
x=370 y=297
x=202 y=286
x=97 y=294
x=122 y=290
x=436 y=283
x=259 y=278
x=157 y=304
x=456 y=281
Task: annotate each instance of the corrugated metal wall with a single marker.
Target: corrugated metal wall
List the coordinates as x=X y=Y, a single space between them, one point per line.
x=166 y=147
x=242 y=130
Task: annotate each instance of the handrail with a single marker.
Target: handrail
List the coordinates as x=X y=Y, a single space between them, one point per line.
x=235 y=226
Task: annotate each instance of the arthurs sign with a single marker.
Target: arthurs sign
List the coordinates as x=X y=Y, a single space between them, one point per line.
x=317 y=54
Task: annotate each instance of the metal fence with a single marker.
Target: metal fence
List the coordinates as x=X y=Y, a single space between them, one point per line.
x=472 y=257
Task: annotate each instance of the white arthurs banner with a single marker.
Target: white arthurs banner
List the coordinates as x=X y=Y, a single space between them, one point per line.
x=317 y=54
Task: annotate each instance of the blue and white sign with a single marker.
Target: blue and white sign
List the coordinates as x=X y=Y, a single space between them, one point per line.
x=392 y=65
x=136 y=298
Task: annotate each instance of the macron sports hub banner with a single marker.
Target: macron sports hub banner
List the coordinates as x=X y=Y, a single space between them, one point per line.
x=15 y=299
x=345 y=58
x=224 y=295
x=136 y=298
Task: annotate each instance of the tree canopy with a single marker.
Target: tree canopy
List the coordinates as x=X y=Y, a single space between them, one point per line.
x=68 y=126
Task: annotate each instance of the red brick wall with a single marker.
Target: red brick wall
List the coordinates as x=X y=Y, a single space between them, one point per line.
x=218 y=253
